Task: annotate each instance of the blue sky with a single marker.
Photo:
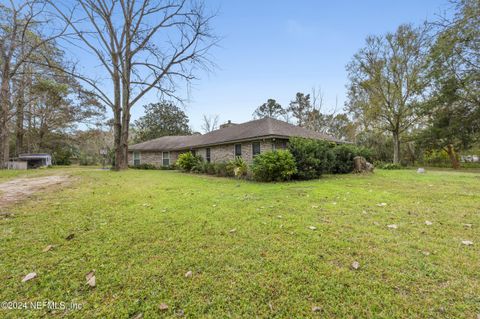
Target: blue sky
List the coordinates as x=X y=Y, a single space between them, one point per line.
x=273 y=49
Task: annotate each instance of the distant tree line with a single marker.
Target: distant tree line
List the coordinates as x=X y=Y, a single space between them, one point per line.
x=42 y=108
x=47 y=96
x=411 y=93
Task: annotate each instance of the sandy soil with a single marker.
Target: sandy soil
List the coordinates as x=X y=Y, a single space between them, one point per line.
x=22 y=188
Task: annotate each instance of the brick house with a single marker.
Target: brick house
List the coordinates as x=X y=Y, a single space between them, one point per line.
x=231 y=140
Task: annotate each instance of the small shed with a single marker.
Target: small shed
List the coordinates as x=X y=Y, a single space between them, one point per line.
x=16 y=164
x=36 y=160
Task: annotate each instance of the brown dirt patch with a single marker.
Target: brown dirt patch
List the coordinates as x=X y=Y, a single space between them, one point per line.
x=22 y=188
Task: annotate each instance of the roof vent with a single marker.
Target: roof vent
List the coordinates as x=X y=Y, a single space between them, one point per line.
x=228 y=124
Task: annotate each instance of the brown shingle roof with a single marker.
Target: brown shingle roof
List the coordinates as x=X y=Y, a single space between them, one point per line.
x=164 y=143
x=262 y=128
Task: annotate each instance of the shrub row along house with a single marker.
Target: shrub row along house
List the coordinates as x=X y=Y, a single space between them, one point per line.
x=232 y=140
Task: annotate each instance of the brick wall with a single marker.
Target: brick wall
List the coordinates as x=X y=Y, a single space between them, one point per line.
x=154 y=158
x=220 y=153
x=225 y=153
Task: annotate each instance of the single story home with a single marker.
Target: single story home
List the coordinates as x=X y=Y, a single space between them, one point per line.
x=230 y=140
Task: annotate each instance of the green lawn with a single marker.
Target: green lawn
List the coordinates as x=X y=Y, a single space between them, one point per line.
x=248 y=245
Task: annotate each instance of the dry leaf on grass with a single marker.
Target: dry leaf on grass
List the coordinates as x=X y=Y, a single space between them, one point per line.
x=163 y=307
x=312 y=227
x=467 y=242
x=355 y=265
x=29 y=276
x=90 y=277
x=392 y=226
x=382 y=204
x=428 y=223
x=189 y=274
x=48 y=248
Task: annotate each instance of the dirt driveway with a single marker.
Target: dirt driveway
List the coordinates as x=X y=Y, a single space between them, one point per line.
x=21 y=188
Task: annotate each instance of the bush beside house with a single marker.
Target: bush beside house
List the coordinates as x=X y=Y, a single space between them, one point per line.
x=238 y=167
x=187 y=161
x=275 y=166
x=312 y=157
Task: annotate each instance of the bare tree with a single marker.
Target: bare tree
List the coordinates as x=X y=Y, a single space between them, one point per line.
x=143 y=46
x=210 y=123
x=22 y=35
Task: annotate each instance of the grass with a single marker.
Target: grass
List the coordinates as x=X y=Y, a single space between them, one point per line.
x=248 y=245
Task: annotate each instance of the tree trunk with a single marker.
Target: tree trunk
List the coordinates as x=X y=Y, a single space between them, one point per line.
x=125 y=81
x=124 y=140
x=117 y=137
x=411 y=151
x=453 y=156
x=4 y=133
x=31 y=108
x=19 y=130
x=117 y=116
x=396 y=147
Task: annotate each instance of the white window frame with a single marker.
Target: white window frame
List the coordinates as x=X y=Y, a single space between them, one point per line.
x=163 y=158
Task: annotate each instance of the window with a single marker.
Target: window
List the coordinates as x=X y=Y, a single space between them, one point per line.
x=194 y=152
x=166 y=158
x=238 y=150
x=136 y=158
x=207 y=154
x=255 y=148
x=274 y=146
